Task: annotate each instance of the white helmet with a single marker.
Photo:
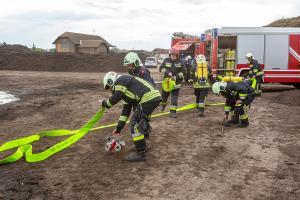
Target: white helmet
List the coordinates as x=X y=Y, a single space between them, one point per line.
x=200 y=58
x=249 y=56
x=217 y=87
x=132 y=58
x=109 y=79
x=188 y=58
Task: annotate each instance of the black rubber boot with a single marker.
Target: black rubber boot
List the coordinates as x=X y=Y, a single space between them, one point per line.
x=139 y=155
x=201 y=111
x=233 y=121
x=173 y=114
x=227 y=124
x=201 y=114
x=135 y=157
x=258 y=92
x=147 y=135
x=163 y=107
x=244 y=123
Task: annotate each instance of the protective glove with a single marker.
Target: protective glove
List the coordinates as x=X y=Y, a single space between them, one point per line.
x=104 y=104
x=166 y=73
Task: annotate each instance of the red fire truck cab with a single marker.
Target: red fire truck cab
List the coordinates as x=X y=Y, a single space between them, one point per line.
x=277 y=49
x=187 y=44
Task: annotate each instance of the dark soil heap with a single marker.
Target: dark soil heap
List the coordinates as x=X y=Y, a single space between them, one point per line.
x=18 y=57
x=290 y=98
x=286 y=22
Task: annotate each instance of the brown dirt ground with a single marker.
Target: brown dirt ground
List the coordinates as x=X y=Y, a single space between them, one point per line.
x=187 y=158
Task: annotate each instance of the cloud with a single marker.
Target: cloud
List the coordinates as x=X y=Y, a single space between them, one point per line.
x=139 y=24
x=52 y=16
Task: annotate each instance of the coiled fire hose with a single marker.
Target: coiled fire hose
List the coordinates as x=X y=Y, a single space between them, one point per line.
x=24 y=146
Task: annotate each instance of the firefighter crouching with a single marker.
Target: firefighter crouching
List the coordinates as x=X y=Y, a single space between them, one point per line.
x=256 y=73
x=201 y=76
x=136 y=68
x=238 y=99
x=138 y=93
x=173 y=71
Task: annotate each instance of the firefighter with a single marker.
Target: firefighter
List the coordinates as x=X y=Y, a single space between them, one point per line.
x=189 y=62
x=256 y=73
x=136 y=68
x=239 y=96
x=201 y=77
x=172 y=69
x=136 y=92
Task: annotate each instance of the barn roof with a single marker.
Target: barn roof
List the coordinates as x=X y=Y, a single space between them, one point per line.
x=91 y=43
x=77 y=37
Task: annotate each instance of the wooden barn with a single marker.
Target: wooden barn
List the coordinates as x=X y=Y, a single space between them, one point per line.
x=70 y=42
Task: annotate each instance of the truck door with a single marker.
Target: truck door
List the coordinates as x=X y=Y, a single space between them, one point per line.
x=294 y=52
x=276 y=52
x=250 y=43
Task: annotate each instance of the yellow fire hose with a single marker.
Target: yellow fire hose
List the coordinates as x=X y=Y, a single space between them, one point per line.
x=24 y=146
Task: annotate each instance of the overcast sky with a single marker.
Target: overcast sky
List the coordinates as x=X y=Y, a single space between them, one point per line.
x=138 y=24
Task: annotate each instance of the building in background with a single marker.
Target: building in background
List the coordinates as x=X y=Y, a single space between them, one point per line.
x=70 y=42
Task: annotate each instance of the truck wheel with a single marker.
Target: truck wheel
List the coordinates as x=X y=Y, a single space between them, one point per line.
x=297 y=85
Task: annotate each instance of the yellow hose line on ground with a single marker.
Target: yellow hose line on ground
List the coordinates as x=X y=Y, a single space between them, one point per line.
x=183 y=108
x=24 y=146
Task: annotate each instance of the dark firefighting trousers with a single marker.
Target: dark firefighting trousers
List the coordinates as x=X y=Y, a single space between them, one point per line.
x=174 y=99
x=187 y=75
x=139 y=123
x=239 y=112
x=201 y=95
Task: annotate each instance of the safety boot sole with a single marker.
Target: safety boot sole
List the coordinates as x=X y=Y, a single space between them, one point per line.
x=135 y=157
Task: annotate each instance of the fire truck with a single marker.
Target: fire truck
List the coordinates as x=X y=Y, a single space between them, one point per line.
x=187 y=44
x=277 y=49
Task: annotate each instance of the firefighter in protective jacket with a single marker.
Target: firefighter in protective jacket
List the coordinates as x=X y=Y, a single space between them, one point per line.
x=136 y=68
x=201 y=82
x=135 y=92
x=173 y=71
x=256 y=73
x=238 y=99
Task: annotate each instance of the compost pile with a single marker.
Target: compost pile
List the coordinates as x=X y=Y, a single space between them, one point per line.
x=290 y=98
x=286 y=22
x=18 y=57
